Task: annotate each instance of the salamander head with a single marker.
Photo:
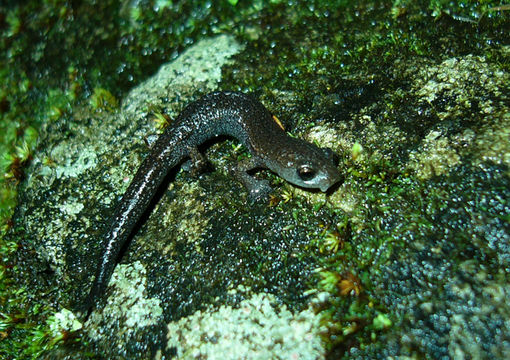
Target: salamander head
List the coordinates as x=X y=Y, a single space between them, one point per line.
x=308 y=166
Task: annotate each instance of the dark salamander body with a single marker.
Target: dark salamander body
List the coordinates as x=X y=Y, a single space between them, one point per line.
x=220 y=113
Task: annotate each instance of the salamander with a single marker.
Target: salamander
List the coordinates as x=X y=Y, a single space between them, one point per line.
x=232 y=114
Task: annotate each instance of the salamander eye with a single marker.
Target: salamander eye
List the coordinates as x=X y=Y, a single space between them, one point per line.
x=306 y=173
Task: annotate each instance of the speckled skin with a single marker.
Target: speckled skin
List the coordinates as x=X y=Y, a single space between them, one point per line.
x=220 y=113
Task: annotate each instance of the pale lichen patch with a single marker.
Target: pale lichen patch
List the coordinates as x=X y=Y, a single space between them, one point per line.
x=325 y=136
x=63 y=320
x=72 y=208
x=200 y=64
x=467 y=90
x=72 y=164
x=460 y=80
x=436 y=156
x=128 y=303
x=256 y=329
x=493 y=142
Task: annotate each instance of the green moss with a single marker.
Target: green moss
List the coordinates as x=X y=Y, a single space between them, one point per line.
x=102 y=99
x=400 y=206
x=469 y=10
x=24 y=336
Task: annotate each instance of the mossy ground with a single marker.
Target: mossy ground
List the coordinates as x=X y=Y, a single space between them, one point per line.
x=346 y=65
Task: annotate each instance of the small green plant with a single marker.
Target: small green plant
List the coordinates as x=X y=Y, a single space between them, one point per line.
x=103 y=100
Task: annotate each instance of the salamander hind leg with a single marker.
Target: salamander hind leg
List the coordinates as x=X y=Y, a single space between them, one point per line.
x=199 y=163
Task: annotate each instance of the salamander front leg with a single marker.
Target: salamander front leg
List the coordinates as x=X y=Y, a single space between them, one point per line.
x=259 y=189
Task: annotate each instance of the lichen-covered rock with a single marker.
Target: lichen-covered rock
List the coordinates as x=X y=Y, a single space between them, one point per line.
x=180 y=261
x=408 y=258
